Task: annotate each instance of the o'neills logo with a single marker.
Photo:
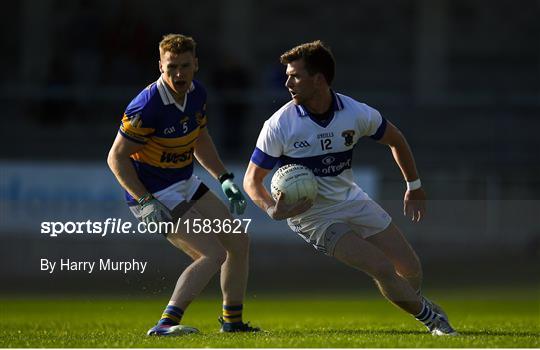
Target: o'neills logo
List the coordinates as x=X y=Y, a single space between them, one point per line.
x=167 y=157
x=332 y=169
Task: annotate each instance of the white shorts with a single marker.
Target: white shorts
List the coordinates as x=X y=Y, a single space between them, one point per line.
x=178 y=197
x=360 y=215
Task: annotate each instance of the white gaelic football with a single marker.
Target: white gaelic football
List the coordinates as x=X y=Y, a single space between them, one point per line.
x=295 y=181
x=181 y=330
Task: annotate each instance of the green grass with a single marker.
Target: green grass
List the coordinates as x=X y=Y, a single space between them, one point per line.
x=483 y=318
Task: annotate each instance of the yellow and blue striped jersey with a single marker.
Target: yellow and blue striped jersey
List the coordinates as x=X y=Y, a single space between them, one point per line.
x=168 y=131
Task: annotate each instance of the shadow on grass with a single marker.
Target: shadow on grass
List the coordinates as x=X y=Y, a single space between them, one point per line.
x=409 y=332
x=323 y=332
x=502 y=334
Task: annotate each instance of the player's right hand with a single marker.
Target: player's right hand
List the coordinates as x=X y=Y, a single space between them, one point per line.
x=414 y=204
x=282 y=211
x=154 y=211
x=236 y=198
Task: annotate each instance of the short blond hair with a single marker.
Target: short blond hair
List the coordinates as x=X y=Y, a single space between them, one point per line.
x=177 y=44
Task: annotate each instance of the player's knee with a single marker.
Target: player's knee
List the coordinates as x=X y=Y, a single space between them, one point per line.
x=382 y=270
x=243 y=242
x=240 y=246
x=411 y=269
x=217 y=257
x=193 y=255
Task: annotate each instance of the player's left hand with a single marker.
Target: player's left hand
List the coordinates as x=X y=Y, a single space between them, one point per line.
x=235 y=196
x=414 y=204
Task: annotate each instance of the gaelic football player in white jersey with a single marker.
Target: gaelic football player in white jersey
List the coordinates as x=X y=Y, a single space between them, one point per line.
x=162 y=130
x=318 y=128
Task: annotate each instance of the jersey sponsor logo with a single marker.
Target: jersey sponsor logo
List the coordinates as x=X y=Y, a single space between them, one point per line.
x=332 y=170
x=301 y=144
x=348 y=135
x=328 y=160
x=169 y=157
x=331 y=164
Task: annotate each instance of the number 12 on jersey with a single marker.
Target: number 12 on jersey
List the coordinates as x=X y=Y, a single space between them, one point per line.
x=326 y=144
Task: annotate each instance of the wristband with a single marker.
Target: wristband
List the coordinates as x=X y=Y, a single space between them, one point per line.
x=414 y=185
x=145 y=198
x=225 y=176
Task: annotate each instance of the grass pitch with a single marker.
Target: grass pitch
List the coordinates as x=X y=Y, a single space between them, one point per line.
x=483 y=319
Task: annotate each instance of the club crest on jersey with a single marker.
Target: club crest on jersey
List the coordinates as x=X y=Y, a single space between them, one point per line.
x=199 y=117
x=348 y=135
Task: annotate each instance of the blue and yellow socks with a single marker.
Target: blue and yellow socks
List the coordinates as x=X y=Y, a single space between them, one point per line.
x=426 y=315
x=171 y=316
x=232 y=313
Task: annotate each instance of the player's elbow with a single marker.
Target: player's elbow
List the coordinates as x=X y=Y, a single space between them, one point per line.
x=248 y=182
x=112 y=159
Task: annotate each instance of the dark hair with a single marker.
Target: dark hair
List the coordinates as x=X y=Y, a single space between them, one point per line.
x=317 y=58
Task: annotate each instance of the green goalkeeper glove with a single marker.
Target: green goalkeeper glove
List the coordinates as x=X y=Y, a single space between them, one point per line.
x=153 y=210
x=235 y=196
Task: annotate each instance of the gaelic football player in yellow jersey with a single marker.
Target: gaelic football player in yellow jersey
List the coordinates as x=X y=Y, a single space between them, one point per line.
x=161 y=131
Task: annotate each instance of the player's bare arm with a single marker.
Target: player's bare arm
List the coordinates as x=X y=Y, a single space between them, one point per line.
x=120 y=163
x=414 y=202
x=207 y=155
x=254 y=187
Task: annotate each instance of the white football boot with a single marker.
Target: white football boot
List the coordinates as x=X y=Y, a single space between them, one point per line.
x=441 y=327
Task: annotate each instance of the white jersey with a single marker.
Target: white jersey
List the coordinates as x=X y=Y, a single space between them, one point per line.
x=291 y=135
